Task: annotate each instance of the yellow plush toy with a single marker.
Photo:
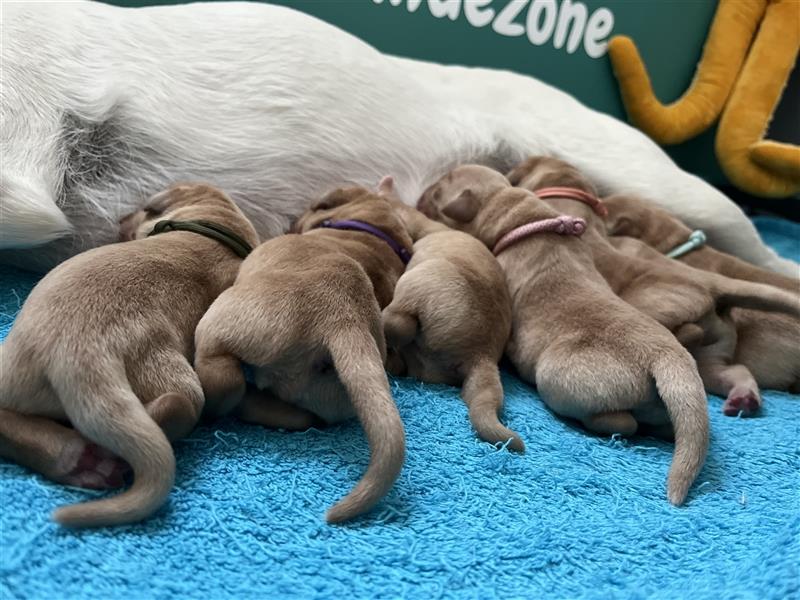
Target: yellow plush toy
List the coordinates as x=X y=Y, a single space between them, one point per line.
x=747 y=59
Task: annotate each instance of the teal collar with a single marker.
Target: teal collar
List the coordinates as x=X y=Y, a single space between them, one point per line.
x=696 y=239
x=208 y=229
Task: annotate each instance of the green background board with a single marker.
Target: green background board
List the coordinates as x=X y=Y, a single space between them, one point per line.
x=670 y=35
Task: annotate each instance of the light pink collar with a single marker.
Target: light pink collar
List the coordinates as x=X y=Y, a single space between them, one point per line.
x=563 y=225
x=575 y=194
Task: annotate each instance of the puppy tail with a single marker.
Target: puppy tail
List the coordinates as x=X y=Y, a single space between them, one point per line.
x=358 y=362
x=399 y=326
x=757 y=296
x=681 y=390
x=115 y=419
x=30 y=217
x=483 y=394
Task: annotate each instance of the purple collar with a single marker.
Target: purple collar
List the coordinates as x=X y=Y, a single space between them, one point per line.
x=349 y=225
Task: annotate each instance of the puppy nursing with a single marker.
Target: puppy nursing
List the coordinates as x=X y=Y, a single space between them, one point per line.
x=305 y=313
x=670 y=292
x=450 y=320
x=756 y=348
x=104 y=341
x=592 y=356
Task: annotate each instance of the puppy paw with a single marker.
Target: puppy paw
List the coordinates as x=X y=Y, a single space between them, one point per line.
x=742 y=401
x=89 y=466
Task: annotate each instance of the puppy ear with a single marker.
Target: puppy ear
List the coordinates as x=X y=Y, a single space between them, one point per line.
x=386 y=186
x=523 y=169
x=332 y=200
x=158 y=202
x=464 y=208
x=622 y=225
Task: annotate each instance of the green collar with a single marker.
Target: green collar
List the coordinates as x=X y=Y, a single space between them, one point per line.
x=208 y=229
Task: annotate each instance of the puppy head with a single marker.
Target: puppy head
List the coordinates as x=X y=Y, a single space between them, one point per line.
x=417 y=224
x=539 y=172
x=357 y=204
x=625 y=216
x=458 y=197
x=637 y=218
x=179 y=202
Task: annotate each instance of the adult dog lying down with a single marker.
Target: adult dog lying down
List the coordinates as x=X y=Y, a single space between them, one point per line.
x=104 y=106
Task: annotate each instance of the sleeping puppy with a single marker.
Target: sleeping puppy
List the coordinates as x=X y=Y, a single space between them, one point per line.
x=763 y=351
x=633 y=217
x=305 y=313
x=672 y=293
x=592 y=356
x=110 y=332
x=450 y=320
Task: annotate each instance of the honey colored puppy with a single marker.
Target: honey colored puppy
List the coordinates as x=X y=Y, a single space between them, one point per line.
x=450 y=320
x=684 y=299
x=633 y=217
x=672 y=293
x=592 y=356
x=764 y=350
x=112 y=330
x=305 y=313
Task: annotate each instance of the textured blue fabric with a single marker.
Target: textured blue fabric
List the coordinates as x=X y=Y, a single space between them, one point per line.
x=577 y=516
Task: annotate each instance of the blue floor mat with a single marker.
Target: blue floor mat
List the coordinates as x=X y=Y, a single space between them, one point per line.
x=576 y=516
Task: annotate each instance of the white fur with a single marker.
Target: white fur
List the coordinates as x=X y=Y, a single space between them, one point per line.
x=276 y=107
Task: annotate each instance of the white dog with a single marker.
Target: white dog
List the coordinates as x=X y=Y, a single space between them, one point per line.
x=103 y=106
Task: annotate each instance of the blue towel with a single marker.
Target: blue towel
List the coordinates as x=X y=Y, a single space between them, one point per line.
x=576 y=516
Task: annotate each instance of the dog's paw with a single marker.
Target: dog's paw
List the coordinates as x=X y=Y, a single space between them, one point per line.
x=742 y=401
x=89 y=466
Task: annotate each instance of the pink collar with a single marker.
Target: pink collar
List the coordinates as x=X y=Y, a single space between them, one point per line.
x=575 y=194
x=563 y=225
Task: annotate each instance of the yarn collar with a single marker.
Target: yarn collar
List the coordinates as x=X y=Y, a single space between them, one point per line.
x=353 y=225
x=207 y=229
x=562 y=225
x=575 y=194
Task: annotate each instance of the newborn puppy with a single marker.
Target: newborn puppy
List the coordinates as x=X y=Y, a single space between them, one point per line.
x=672 y=293
x=633 y=217
x=111 y=331
x=450 y=320
x=305 y=313
x=764 y=349
x=592 y=356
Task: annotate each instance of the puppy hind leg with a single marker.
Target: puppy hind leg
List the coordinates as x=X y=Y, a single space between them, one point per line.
x=732 y=381
x=482 y=392
x=736 y=384
x=609 y=423
x=176 y=414
x=57 y=452
x=399 y=326
x=223 y=382
x=170 y=390
x=262 y=408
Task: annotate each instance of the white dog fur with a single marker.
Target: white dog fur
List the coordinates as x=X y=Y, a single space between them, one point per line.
x=103 y=106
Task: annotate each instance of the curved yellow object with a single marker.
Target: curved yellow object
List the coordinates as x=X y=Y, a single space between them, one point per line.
x=732 y=30
x=748 y=56
x=756 y=166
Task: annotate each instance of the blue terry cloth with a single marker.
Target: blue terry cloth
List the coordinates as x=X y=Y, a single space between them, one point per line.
x=576 y=516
